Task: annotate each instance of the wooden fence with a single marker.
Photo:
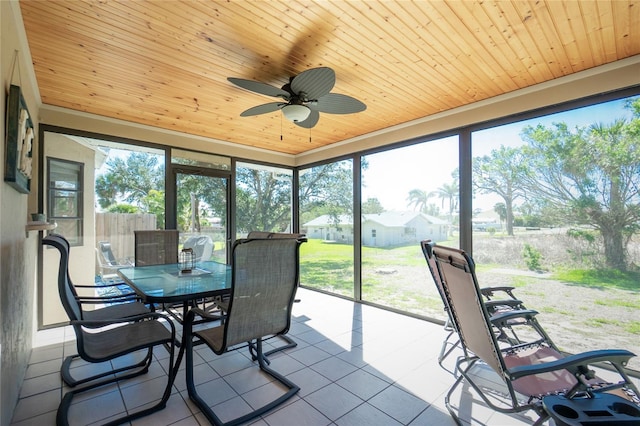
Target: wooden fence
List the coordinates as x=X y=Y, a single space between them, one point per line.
x=117 y=228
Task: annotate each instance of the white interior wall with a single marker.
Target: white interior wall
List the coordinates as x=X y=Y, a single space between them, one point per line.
x=18 y=250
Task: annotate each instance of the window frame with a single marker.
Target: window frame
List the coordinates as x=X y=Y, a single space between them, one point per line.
x=77 y=240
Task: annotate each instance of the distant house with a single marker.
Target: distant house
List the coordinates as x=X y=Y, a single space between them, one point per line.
x=379 y=230
x=485 y=225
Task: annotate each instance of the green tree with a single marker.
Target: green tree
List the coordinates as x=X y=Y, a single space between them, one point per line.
x=153 y=203
x=327 y=189
x=123 y=208
x=591 y=175
x=501 y=173
x=372 y=205
x=501 y=210
x=263 y=200
x=130 y=179
x=200 y=197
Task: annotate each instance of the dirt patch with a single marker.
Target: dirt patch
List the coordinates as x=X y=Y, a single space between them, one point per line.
x=577 y=318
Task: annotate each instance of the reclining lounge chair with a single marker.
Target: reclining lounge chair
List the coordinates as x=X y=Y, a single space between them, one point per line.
x=536 y=375
x=505 y=328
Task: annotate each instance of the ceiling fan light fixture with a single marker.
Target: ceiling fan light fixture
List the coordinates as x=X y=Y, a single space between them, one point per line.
x=296 y=113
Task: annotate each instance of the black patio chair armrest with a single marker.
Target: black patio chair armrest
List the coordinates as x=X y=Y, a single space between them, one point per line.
x=500 y=319
x=94 y=285
x=128 y=297
x=173 y=340
x=511 y=303
x=618 y=357
x=127 y=320
x=490 y=291
x=108 y=296
x=99 y=285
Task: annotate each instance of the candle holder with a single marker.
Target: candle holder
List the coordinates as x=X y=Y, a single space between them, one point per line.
x=186 y=261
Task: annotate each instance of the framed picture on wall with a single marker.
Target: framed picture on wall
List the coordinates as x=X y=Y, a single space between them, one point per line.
x=19 y=143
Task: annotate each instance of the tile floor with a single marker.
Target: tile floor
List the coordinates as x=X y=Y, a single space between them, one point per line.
x=355 y=365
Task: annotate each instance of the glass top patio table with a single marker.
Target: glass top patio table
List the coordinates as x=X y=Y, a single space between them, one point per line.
x=166 y=284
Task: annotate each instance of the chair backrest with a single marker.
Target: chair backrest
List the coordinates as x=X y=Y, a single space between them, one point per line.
x=264 y=280
x=432 y=264
x=258 y=234
x=102 y=262
x=263 y=234
x=467 y=310
x=65 y=287
x=107 y=253
x=287 y=235
x=202 y=246
x=156 y=247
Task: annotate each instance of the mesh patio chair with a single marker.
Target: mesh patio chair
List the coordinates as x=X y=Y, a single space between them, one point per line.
x=222 y=303
x=156 y=247
x=530 y=372
x=101 y=339
x=264 y=281
x=110 y=306
x=258 y=234
x=109 y=293
x=262 y=234
x=505 y=328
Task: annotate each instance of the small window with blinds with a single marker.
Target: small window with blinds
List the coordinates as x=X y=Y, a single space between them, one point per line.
x=64 y=198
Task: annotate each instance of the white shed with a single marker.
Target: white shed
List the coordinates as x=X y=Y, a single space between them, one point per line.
x=380 y=230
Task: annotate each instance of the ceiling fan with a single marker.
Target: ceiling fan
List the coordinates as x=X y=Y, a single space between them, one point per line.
x=303 y=98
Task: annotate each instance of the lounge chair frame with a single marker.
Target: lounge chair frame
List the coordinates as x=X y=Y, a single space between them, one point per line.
x=504 y=325
x=571 y=375
x=108 y=264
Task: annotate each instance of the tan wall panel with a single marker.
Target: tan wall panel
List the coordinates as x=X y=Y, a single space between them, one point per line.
x=63 y=117
x=17 y=252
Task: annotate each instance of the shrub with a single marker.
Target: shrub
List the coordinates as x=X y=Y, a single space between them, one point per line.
x=587 y=235
x=123 y=208
x=532 y=257
x=582 y=246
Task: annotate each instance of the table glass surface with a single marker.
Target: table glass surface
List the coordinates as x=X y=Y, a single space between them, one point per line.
x=166 y=283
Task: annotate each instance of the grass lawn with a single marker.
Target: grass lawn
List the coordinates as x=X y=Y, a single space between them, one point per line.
x=581 y=309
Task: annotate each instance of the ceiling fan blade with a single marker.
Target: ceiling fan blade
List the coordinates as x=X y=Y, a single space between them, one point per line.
x=258 y=87
x=335 y=103
x=311 y=121
x=315 y=82
x=263 y=109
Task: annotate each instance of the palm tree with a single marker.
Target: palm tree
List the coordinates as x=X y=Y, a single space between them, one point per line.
x=419 y=199
x=449 y=192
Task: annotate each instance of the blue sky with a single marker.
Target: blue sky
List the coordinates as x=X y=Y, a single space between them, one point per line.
x=392 y=174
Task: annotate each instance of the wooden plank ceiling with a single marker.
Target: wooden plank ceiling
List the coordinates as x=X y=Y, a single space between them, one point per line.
x=166 y=63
